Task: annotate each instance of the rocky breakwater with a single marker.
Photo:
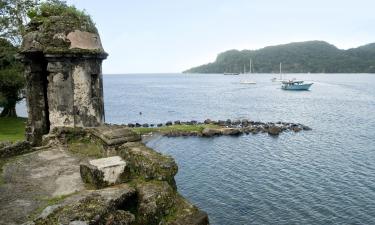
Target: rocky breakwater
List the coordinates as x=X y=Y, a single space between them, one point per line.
x=121 y=182
x=210 y=128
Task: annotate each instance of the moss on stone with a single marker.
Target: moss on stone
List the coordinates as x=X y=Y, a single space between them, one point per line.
x=50 y=24
x=183 y=213
x=84 y=210
x=86 y=147
x=147 y=163
x=48 y=202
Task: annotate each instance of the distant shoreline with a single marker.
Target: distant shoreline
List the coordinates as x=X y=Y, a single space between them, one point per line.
x=309 y=57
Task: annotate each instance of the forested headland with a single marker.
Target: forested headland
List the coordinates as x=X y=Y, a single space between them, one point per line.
x=299 y=57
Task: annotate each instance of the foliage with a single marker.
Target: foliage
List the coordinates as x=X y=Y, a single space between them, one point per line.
x=11 y=78
x=13 y=18
x=12 y=129
x=302 y=57
x=72 y=17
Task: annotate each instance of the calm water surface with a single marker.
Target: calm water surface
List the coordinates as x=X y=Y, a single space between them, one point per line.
x=324 y=176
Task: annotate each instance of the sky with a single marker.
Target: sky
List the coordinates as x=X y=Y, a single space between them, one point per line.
x=167 y=36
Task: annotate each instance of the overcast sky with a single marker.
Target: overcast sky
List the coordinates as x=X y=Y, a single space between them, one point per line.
x=155 y=36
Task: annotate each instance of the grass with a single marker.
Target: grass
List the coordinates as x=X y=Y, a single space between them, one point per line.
x=85 y=148
x=166 y=129
x=12 y=129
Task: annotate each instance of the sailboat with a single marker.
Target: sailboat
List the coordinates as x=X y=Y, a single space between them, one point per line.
x=248 y=81
x=280 y=76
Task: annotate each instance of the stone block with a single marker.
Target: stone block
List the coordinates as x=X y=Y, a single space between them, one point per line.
x=115 y=135
x=104 y=172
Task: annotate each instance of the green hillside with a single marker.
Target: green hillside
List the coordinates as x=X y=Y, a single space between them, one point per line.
x=300 y=57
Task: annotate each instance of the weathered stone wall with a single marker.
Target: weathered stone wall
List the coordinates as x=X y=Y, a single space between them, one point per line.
x=60 y=94
x=88 y=93
x=38 y=123
x=75 y=93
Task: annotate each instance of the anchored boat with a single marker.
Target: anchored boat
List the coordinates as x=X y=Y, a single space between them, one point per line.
x=250 y=71
x=296 y=85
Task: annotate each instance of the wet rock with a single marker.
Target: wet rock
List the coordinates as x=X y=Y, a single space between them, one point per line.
x=193 y=122
x=145 y=125
x=131 y=125
x=159 y=125
x=104 y=172
x=245 y=122
x=296 y=129
x=274 y=130
x=210 y=132
x=177 y=122
x=306 y=127
x=221 y=122
x=169 y=123
x=138 y=125
x=236 y=122
x=208 y=121
x=231 y=131
x=228 y=122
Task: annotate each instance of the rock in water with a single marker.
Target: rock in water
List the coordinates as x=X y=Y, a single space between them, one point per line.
x=208 y=121
x=231 y=131
x=103 y=172
x=274 y=130
x=209 y=132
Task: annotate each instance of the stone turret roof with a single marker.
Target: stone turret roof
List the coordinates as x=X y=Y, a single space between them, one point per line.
x=67 y=33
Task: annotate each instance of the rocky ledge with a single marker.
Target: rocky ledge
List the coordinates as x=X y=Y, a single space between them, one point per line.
x=101 y=175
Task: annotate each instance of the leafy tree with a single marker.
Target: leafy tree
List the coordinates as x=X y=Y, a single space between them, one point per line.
x=11 y=79
x=14 y=16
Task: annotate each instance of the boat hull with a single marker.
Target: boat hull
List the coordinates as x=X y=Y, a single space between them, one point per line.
x=299 y=87
x=248 y=82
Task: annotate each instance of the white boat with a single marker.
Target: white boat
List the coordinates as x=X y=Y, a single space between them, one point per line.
x=248 y=81
x=295 y=85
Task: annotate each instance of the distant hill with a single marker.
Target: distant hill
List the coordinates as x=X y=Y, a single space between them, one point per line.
x=299 y=57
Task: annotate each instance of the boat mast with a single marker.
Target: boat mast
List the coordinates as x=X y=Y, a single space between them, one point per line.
x=250 y=65
x=280 y=71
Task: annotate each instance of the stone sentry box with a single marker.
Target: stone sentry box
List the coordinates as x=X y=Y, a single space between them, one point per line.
x=63 y=71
